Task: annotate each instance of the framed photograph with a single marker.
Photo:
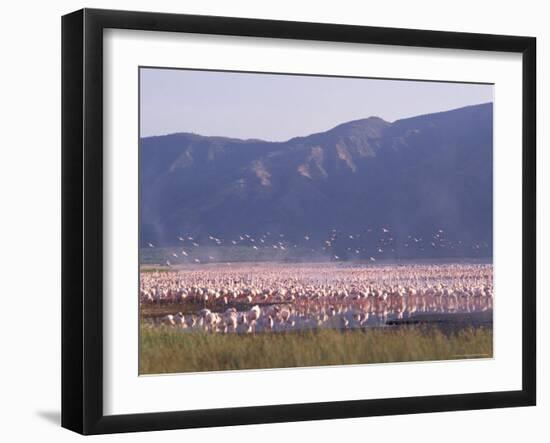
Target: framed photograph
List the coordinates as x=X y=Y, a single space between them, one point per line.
x=268 y=221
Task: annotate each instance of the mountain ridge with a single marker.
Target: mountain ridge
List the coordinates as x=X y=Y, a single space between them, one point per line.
x=413 y=175
x=342 y=124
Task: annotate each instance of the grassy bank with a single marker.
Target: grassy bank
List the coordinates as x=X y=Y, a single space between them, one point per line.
x=168 y=350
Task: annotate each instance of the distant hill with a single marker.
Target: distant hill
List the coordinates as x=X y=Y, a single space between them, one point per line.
x=426 y=179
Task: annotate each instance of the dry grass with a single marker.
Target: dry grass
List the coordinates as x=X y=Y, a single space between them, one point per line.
x=165 y=350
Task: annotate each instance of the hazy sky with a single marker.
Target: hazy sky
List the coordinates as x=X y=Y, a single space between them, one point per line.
x=279 y=107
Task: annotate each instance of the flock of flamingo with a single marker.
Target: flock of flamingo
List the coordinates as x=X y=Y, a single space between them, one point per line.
x=254 y=298
x=337 y=245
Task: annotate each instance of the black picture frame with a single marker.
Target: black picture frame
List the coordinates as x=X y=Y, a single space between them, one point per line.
x=82 y=219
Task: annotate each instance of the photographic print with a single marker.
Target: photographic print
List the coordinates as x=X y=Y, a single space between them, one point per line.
x=293 y=220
